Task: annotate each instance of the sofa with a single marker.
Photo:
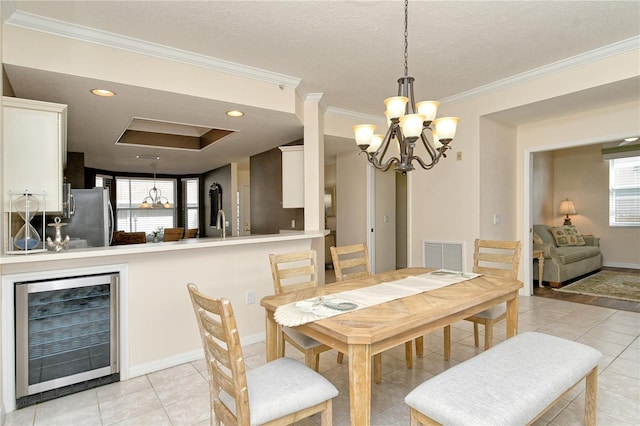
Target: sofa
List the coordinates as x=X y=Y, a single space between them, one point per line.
x=567 y=253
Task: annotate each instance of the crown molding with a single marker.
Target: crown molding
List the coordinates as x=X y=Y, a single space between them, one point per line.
x=357 y=116
x=622 y=46
x=91 y=35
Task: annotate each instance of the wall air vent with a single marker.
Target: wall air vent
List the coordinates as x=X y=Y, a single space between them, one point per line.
x=443 y=255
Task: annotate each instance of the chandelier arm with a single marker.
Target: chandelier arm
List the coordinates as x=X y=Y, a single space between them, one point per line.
x=386 y=166
x=427 y=144
x=425 y=165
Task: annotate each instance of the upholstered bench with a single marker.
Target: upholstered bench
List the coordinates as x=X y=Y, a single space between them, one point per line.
x=513 y=383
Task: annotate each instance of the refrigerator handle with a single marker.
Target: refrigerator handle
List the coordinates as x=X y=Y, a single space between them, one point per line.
x=111 y=223
x=72 y=205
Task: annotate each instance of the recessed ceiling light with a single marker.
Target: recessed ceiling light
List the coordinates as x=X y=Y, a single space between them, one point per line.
x=103 y=92
x=235 y=113
x=631 y=139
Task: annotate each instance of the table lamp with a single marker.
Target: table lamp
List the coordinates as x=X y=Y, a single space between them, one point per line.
x=567 y=207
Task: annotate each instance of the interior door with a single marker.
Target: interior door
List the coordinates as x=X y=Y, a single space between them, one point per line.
x=385 y=221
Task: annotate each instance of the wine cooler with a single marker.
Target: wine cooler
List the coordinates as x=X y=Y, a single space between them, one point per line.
x=66 y=336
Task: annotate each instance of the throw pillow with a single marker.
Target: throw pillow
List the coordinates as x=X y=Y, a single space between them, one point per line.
x=537 y=239
x=567 y=236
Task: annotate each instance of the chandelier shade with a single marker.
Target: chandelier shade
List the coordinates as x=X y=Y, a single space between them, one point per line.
x=407 y=122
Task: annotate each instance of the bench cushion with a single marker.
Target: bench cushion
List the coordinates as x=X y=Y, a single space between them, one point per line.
x=509 y=384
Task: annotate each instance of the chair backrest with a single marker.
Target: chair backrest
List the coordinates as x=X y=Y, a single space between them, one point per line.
x=294 y=271
x=122 y=238
x=350 y=262
x=191 y=233
x=501 y=258
x=223 y=356
x=173 y=234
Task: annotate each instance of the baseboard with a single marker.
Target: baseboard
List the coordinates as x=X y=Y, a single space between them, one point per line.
x=621 y=265
x=172 y=361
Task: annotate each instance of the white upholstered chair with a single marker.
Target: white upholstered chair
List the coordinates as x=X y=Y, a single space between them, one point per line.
x=278 y=392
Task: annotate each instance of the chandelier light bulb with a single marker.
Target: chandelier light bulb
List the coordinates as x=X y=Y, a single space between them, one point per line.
x=376 y=141
x=396 y=106
x=364 y=133
x=436 y=140
x=411 y=125
x=428 y=109
x=446 y=128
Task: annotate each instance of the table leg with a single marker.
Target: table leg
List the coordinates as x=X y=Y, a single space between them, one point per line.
x=273 y=335
x=512 y=316
x=360 y=384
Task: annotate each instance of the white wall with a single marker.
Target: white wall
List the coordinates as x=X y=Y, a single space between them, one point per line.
x=385 y=221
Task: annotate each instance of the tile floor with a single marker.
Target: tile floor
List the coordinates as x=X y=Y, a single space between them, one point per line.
x=178 y=396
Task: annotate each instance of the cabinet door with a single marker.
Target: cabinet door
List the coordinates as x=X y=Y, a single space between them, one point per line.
x=34 y=135
x=292 y=176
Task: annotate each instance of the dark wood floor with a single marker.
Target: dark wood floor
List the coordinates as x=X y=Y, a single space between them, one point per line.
x=606 y=302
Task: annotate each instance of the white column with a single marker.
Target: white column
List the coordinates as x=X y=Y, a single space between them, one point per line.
x=313 y=162
x=314 y=173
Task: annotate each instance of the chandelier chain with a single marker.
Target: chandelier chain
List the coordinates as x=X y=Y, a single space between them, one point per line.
x=406 y=38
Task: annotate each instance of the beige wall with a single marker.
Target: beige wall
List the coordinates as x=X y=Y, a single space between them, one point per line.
x=583 y=176
x=351 y=195
x=542 y=179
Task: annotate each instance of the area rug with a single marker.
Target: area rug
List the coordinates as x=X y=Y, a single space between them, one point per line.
x=612 y=284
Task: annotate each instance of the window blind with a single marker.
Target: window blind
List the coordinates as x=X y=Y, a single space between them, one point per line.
x=624 y=191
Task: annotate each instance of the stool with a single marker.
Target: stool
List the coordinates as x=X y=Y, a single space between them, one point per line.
x=513 y=383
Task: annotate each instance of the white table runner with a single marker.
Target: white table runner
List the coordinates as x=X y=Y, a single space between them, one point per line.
x=317 y=308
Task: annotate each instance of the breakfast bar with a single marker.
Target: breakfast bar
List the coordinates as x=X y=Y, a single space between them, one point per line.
x=155 y=314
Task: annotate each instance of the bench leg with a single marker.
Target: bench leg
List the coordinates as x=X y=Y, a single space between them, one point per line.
x=591 y=398
x=447 y=342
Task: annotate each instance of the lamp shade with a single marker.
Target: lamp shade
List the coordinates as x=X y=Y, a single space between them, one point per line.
x=446 y=128
x=429 y=109
x=396 y=106
x=411 y=125
x=567 y=207
x=364 y=133
x=376 y=141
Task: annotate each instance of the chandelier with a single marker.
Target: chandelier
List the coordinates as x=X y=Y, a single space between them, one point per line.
x=155 y=200
x=408 y=121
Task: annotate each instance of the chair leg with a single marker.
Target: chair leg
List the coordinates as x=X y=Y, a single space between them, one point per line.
x=447 y=342
x=420 y=346
x=326 y=416
x=280 y=343
x=408 y=353
x=311 y=360
x=377 y=368
x=476 y=334
x=340 y=357
x=488 y=334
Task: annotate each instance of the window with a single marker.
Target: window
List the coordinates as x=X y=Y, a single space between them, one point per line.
x=624 y=191
x=191 y=202
x=129 y=195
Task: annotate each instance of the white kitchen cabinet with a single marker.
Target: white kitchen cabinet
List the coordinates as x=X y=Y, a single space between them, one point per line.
x=292 y=176
x=34 y=149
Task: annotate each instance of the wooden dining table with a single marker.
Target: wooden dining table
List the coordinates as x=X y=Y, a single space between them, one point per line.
x=374 y=329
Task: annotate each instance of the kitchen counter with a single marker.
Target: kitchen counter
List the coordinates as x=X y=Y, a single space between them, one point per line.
x=185 y=244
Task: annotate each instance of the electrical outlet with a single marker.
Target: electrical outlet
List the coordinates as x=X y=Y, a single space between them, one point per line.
x=459 y=155
x=251 y=297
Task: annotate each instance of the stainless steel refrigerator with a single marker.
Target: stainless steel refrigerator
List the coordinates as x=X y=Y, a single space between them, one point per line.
x=91 y=217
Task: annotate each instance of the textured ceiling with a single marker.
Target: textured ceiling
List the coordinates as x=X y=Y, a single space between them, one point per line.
x=351 y=51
